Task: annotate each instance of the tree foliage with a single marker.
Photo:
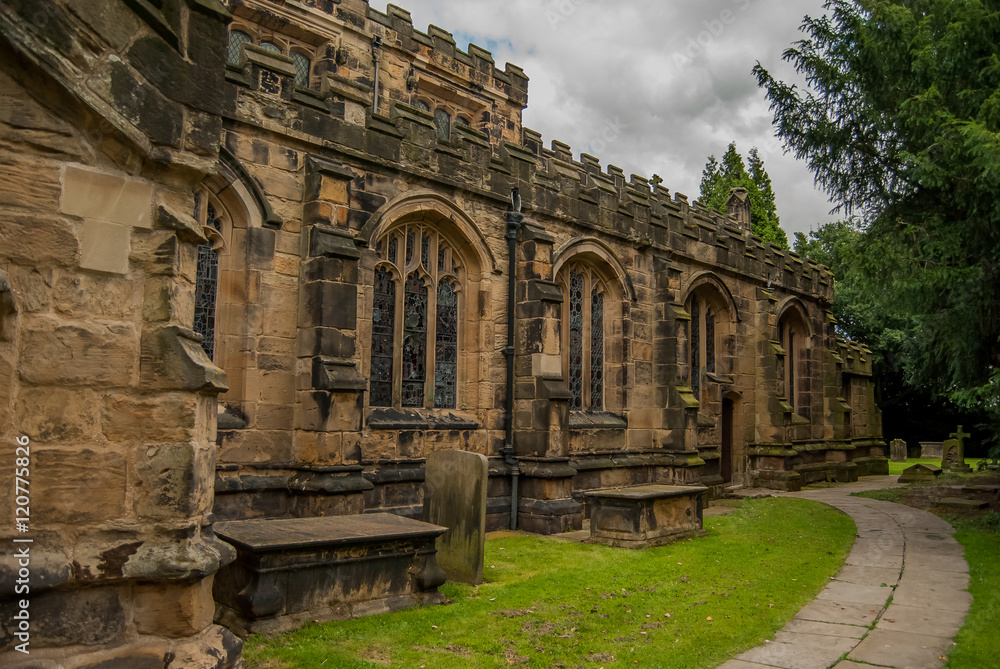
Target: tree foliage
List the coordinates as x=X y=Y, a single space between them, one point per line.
x=717 y=180
x=899 y=124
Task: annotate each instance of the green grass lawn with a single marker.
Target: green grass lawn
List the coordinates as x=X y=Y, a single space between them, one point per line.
x=897 y=468
x=550 y=603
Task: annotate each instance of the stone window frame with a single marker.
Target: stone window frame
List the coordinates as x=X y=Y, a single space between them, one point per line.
x=456 y=115
x=286 y=46
x=426 y=265
x=714 y=298
x=796 y=341
x=595 y=283
x=219 y=242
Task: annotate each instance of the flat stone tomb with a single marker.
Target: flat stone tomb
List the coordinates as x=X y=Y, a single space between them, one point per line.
x=293 y=571
x=643 y=516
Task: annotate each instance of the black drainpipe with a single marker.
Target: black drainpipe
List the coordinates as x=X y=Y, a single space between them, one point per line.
x=514 y=220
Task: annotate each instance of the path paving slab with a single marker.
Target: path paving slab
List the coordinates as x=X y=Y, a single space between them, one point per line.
x=953 y=579
x=868 y=575
x=839 y=591
x=742 y=664
x=912 y=592
x=841 y=613
x=921 y=620
x=847 y=664
x=902 y=650
x=943 y=563
x=806 y=651
x=829 y=629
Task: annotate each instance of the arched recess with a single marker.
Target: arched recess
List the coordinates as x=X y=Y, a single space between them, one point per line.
x=422 y=322
x=231 y=203
x=796 y=335
x=709 y=349
x=597 y=253
x=433 y=208
x=595 y=292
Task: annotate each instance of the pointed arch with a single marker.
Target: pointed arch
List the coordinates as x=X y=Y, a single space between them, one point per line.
x=718 y=288
x=600 y=256
x=433 y=208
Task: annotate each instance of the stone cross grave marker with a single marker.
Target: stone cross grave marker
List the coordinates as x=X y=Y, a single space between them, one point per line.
x=953 y=452
x=455 y=497
x=897 y=450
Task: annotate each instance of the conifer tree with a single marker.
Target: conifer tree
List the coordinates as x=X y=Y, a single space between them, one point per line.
x=719 y=179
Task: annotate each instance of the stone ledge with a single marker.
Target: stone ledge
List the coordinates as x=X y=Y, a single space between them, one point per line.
x=420 y=419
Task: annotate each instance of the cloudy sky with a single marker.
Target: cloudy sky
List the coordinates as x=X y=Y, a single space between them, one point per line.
x=653 y=86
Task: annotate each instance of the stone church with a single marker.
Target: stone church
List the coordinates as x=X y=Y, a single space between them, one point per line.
x=258 y=258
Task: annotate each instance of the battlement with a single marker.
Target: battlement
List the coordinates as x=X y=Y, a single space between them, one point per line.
x=337 y=113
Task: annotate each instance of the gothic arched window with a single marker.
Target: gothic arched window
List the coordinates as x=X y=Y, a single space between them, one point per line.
x=584 y=338
x=795 y=342
x=207 y=274
x=701 y=341
x=415 y=320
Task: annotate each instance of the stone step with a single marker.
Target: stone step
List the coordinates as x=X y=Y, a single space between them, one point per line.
x=962 y=503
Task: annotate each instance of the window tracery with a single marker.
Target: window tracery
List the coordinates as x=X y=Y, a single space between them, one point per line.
x=415 y=332
x=584 y=321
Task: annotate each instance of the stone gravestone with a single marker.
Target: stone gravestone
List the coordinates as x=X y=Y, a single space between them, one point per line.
x=953 y=452
x=919 y=474
x=455 y=497
x=897 y=450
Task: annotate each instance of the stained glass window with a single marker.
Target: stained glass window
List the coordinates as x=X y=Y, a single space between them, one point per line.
x=414 y=341
x=710 y=341
x=576 y=340
x=446 y=346
x=383 y=338
x=207 y=286
x=236 y=41
x=427 y=347
x=696 y=347
x=597 y=352
x=302 y=68
x=443 y=123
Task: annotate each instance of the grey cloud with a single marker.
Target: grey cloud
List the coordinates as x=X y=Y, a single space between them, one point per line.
x=675 y=73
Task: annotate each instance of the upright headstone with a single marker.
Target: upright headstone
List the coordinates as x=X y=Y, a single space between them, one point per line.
x=897 y=450
x=953 y=452
x=455 y=497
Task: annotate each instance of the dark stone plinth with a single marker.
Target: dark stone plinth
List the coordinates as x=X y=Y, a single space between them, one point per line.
x=651 y=515
x=291 y=572
x=962 y=503
x=919 y=474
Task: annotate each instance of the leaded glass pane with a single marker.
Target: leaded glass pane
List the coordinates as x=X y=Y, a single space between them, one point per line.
x=414 y=341
x=302 y=68
x=383 y=338
x=710 y=342
x=441 y=257
x=270 y=46
x=597 y=352
x=576 y=340
x=443 y=123
x=423 y=106
x=410 y=241
x=236 y=41
x=791 y=367
x=462 y=121
x=425 y=251
x=696 y=348
x=446 y=348
x=393 y=249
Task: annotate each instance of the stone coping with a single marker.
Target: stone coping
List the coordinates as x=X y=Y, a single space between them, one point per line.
x=647 y=492
x=276 y=535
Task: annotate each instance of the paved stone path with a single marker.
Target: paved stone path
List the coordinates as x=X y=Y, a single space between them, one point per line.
x=901 y=554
